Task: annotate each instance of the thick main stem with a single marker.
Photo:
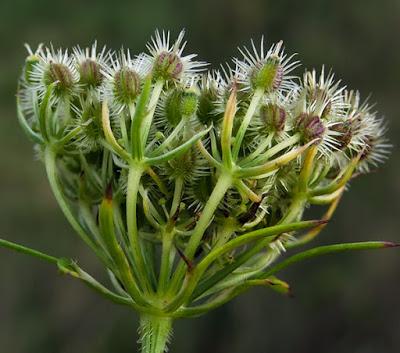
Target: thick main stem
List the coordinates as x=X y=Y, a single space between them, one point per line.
x=155 y=333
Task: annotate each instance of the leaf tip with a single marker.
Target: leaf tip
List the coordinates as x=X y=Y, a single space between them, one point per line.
x=109 y=192
x=320 y=222
x=390 y=244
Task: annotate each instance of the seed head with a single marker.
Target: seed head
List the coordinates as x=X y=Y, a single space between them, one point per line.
x=167 y=60
x=274 y=117
x=177 y=105
x=267 y=71
x=268 y=75
x=232 y=193
x=126 y=85
x=123 y=79
x=53 y=67
x=167 y=66
x=344 y=136
x=61 y=75
x=90 y=73
x=30 y=63
x=207 y=105
x=310 y=127
x=89 y=63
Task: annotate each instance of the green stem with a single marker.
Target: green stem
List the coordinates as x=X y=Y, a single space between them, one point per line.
x=137 y=143
x=28 y=251
x=155 y=333
x=44 y=111
x=327 y=249
x=34 y=136
x=275 y=164
x=111 y=142
x=177 y=196
x=178 y=151
x=229 y=294
x=124 y=131
x=259 y=156
x=267 y=234
x=226 y=130
x=339 y=182
x=90 y=221
x=51 y=169
x=210 y=158
x=295 y=208
x=225 y=232
x=223 y=184
x=105 y=292
x=75 y=272
x=155 y=96
x=165 y=268
x=106 y=222
x=166 y=143
x=134 y=176
x=246 y=121
x=253 y=156
x=300 y=196
x=69 y=136
x=221 y=299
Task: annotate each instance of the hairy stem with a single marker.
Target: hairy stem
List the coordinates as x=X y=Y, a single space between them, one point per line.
x=154 y=333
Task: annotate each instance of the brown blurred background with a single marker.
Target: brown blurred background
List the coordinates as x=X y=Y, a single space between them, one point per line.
x=343 y=304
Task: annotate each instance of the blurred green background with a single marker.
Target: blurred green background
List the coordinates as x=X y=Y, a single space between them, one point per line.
x=346 y=303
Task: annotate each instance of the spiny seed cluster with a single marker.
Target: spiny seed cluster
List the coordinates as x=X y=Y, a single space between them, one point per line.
x=188 y=158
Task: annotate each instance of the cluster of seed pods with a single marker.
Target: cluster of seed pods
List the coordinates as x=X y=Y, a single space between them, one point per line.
x=189 y=183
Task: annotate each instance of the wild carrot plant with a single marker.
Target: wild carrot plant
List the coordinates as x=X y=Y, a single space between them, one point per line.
x=190 y=184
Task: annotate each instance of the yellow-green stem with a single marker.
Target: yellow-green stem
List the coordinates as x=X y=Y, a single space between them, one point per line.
x=134 y=176
x=223 y=184
x=50 y=157
x=246 y=121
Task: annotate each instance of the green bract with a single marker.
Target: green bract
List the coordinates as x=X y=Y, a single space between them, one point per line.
x=188 y=196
